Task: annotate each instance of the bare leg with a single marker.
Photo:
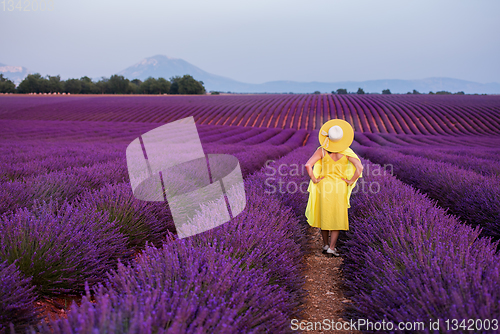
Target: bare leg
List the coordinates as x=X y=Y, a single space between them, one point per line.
x=334 y=237
x=325 y=233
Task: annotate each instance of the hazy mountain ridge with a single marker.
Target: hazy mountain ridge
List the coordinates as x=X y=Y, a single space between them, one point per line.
x=166 y=67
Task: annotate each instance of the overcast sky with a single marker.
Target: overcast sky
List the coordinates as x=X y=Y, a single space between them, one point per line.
x=261 y=40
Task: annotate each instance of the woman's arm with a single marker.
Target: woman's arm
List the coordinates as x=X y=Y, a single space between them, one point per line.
x=310 y=163
x=357 y=173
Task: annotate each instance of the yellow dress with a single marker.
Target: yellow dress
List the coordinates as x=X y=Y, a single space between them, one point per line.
x=329 y=199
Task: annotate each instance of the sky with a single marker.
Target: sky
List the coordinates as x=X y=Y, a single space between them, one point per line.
x=256 y=41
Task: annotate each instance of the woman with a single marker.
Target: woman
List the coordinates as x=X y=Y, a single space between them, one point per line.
x=335 y=173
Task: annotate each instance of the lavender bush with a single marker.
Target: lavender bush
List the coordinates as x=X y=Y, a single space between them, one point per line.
x=482 y=166
x=472 y=197
x=178 y=289
x=16 y=299
x=61 y=248
x=255 y=284
x=269 y=239
x=140 y=221
x=406 y=259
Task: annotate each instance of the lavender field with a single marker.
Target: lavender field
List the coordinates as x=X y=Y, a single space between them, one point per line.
x=424 y=245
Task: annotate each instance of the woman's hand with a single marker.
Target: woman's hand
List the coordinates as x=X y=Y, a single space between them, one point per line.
x=316 y=180
x=349 y=182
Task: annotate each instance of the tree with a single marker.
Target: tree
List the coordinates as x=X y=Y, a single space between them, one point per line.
x=31 y=84
x=53 y=84
x=174 y=84
x=188 y=85
x=386 y=91
x=317 y=92
x=136 y=82
x=342 y=91
x=145 y=86
x=154 y=86
x=415 y=92
x=88 y=86
x=160 y=86
x=6 y=85
x=73 y=86
x=334 y=92
x=460 y=93
x=117 y=84
x=431 y=93
x=360 y=91
x=102 y=86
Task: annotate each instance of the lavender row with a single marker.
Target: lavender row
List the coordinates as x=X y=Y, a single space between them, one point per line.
x=38 y=133
x=464 y=161
x=28 y=159
x=406 y=259
x=67 y=183
x=395 y=114
x=425 y=142
x=474 y=198
x=61 y=247
x=242 y=276
x=487 y=154
x=59 y=185
x=400 y=229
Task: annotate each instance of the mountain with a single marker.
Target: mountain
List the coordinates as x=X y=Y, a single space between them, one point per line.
x=14 y=73
x=166 y=67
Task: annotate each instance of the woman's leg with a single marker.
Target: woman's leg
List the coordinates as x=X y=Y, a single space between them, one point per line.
x=325 y=233
x=333 y=239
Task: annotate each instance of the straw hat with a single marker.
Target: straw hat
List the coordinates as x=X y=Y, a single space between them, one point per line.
x=336 y=135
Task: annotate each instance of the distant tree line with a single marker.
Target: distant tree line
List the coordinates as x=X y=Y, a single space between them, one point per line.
x=442 y=92
x=116 y=84
x=388 y=91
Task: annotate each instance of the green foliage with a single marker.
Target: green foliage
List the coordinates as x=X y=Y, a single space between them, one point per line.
x=342 y=91
x=31 y=84
x=6 y=85
x=136 y=82
x=186 y=85
x=415 y=92
x=102 y=86
x=431 y=93
x=54 y=84
x=214 y=93
x=460 y=93
x=386 y=91
x=317 y=92
x=443 y=92
x=155 y=86
x=116 y=84
x=360 y=91
x=88 y=87
x=72 y=86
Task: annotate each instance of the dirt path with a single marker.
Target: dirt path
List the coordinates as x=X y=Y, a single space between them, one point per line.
x=325 y=298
